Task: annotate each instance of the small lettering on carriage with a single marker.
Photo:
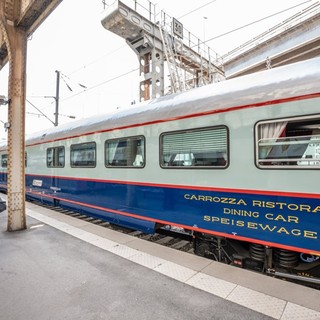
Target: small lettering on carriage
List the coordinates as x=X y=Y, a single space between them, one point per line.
x=262 y=226
x=227 y=200
x=286 y=206
x=277 y=205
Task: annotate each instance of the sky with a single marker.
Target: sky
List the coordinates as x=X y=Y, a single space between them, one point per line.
x=73 y=41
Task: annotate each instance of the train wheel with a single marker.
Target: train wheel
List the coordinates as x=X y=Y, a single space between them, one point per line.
x=202 y=249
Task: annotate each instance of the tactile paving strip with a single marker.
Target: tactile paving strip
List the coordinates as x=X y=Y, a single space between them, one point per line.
x=147 y=260
x=257 y=301
x=175 y=271
x=211 y=284
x=296 y=312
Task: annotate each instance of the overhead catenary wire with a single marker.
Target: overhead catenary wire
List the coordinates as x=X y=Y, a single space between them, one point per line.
x=256 y=21
x=196 y=9
x=100 y=84
x=97 y=59
x=64 y=77
x=41 y=113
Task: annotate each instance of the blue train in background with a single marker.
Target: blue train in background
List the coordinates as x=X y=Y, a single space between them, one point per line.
x=235 y=164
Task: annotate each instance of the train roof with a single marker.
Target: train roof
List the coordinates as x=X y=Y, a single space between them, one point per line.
x=298 y=79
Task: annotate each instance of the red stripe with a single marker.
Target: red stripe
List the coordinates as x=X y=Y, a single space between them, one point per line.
x=221 y=234
x=192 y=115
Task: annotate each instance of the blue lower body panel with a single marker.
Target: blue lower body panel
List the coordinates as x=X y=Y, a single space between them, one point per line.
x=289 y=221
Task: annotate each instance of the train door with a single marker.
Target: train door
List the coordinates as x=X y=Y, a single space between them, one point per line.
x=55 y=161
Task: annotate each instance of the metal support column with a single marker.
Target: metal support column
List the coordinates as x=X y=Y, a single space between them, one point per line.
x=16 y=42
x=151 y=68
x=146 y=70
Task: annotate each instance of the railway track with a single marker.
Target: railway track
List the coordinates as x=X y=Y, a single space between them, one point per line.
x=165 y=237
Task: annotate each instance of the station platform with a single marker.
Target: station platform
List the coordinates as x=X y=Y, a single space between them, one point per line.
x=61 y=267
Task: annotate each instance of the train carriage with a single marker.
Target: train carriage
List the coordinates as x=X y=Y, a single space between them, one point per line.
x=235 y=164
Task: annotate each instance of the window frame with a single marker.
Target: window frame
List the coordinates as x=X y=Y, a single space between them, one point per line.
x=56 y=157
x=212 y=167
x=291 y=119
x=84 y=166
x=142 y=138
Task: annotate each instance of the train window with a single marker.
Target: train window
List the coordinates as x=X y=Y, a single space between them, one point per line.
x=196 y=148
x=293 y=143
x=125 y=152
x=83 y=155
x=55 y=157
x=4 y=160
